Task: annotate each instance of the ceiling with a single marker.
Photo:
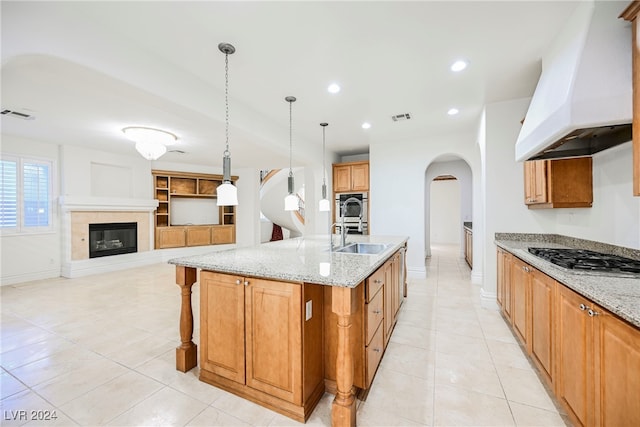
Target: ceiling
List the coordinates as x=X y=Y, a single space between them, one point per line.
x=87 y=69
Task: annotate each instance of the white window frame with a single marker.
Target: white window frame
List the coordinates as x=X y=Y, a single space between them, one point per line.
x=21 y=228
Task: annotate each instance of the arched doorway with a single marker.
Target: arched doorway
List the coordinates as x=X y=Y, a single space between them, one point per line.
x=449 y=203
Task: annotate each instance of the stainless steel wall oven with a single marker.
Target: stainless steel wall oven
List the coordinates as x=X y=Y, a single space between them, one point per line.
x=352 y=209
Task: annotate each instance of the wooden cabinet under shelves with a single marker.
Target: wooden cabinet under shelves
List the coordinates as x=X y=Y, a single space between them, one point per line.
x=631 y=14
x=173 y=187
x=352 y=176
x=558 y=183
x=256 y=341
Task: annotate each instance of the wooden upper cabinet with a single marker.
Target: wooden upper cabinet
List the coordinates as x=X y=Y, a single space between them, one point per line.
x=558 y=183
x=631 y=14
x=353 y=176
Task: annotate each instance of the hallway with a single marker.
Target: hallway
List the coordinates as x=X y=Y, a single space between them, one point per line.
x=99 y=350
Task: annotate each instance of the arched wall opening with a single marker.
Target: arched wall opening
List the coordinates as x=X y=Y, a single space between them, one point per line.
x=440 y=205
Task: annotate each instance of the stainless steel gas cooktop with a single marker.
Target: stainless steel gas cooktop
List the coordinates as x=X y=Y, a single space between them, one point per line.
x=584 y=260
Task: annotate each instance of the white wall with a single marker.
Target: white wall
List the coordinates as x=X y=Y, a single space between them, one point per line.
x=397 y=172
x=32 y=256
x=444 y=212
x=614 y=217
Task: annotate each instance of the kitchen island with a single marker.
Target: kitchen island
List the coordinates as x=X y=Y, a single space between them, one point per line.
x=283 y=321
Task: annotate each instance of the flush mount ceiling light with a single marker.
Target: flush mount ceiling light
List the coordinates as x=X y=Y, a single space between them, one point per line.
x=151 y=143
x=227 y=193
x=324 y=204
x=458 y=66
x=291 y=201
x=366 y=125
x=453 y=111
x=333 y=88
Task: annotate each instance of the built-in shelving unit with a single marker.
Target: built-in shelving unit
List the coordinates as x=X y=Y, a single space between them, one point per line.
x=172 y=187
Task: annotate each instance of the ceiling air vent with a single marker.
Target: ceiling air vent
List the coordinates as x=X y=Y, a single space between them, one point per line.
x=17 y=114
x=401 y=117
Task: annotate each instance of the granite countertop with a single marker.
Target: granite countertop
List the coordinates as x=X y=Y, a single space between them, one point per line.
x=618 y=294
x=299 y=260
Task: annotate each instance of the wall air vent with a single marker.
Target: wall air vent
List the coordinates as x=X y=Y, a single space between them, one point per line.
x=401 y=117
x=17 y=114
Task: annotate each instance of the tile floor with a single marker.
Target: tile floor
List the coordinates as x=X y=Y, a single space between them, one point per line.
x=100 y=351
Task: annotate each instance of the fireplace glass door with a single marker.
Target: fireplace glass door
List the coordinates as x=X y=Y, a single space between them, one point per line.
x=112 y=239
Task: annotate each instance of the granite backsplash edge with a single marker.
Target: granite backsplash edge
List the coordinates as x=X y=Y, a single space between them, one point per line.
x=572 y=242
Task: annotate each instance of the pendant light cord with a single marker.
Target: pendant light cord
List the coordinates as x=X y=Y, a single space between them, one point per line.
x=290 y=138
x=324 y=170
x=226 y=101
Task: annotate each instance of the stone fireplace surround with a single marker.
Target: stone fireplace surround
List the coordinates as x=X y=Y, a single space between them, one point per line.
x=79 y=212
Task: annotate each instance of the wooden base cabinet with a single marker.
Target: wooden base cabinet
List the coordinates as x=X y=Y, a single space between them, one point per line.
x=617 y=370
x=504 y=282
x=589 y=357
x=542 y=292
x=598 y=370
x=255 y=341
x=520 y=300
x=378 y=303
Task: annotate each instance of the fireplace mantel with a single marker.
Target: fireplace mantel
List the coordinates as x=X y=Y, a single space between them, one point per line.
x=88 y=203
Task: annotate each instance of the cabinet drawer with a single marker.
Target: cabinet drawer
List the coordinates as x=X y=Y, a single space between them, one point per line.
x=374 y=354
x=374 y=284
x=375 y=314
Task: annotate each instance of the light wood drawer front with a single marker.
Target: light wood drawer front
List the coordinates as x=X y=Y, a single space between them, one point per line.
x=374 y=283
x=374 y=354
x=375 y=313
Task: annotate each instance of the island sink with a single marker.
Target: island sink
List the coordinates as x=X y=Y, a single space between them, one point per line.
x=363 y=248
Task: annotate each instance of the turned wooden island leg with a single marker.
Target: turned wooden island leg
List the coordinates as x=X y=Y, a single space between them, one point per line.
x=343 y=409
x=187 y=353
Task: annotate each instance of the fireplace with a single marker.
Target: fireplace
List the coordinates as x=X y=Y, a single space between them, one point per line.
x=112 y=239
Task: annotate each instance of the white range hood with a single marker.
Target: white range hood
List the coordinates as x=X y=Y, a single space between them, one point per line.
x=583 y=101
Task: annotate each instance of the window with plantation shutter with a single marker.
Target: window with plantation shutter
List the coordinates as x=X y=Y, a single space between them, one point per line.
x=25 y=195
x=9 y=194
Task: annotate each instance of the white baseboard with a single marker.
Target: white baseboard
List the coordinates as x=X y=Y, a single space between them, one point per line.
x=416 y=272
x=476 y=277
x=108 y=264
x=488 y=299
x=29 y=277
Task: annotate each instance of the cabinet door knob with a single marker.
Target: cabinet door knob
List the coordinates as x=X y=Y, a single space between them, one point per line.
x=377 y=281
x=377 y=350
x=592 y=313
x=238 y=281
x=583 y=307
x=246 y=283
x=377 y=311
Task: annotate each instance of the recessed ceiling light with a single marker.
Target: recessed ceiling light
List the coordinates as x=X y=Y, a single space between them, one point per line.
x=458 y=66
x=333 y=88
x=366 y=125
x=453 y=111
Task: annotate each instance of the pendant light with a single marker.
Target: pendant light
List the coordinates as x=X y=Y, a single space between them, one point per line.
x=291 y=201
x=227 y=193
x=324 y=204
